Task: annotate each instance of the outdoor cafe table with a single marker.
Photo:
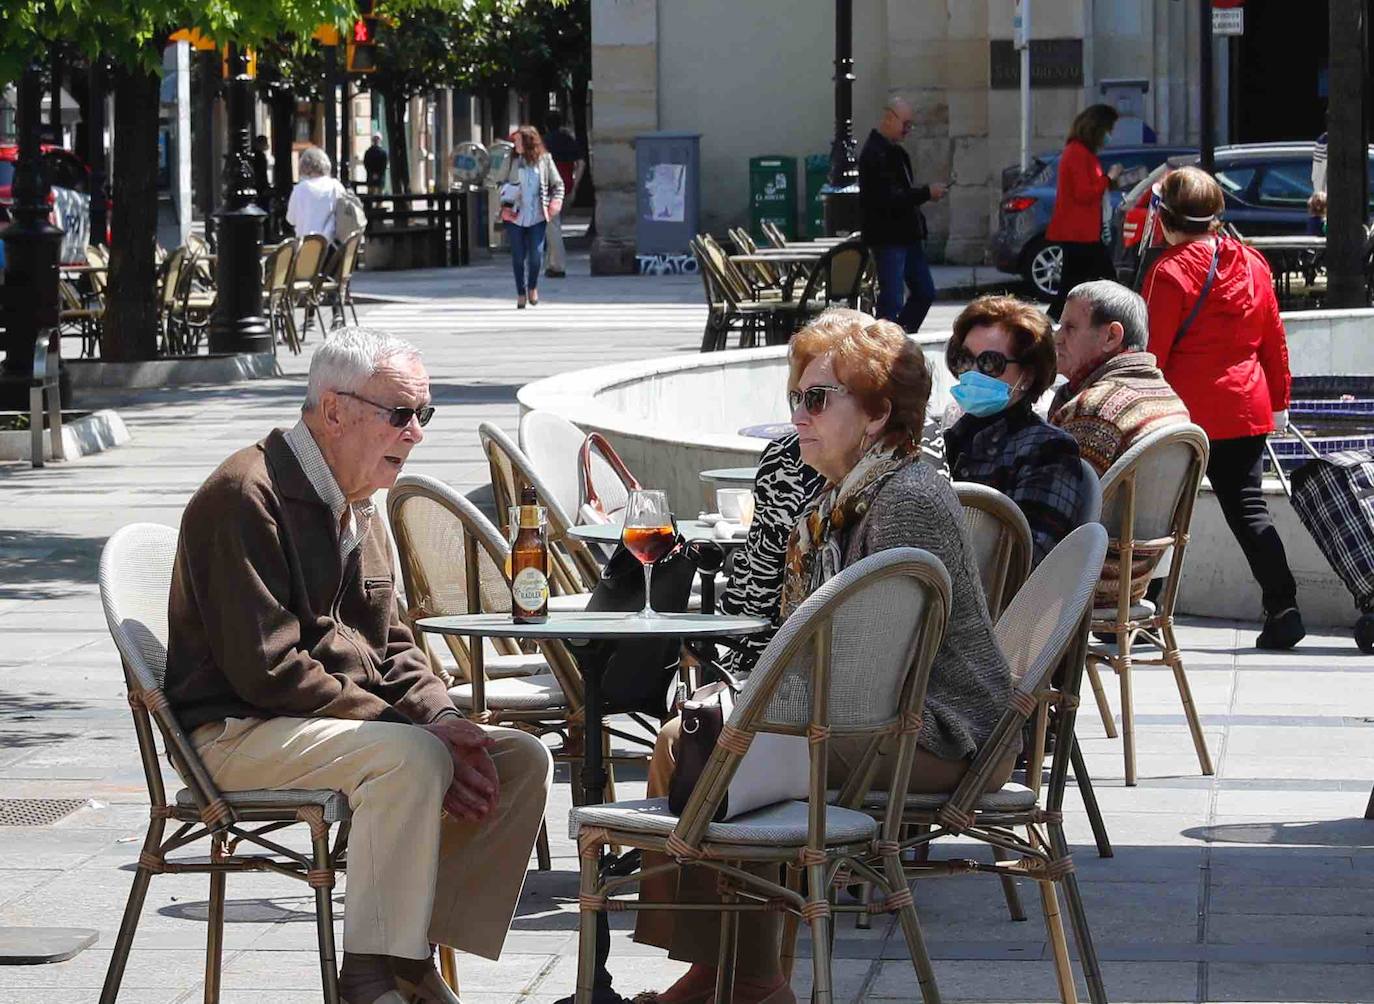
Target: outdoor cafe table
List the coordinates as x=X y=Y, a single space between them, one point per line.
x=730 y=476
x=692 y=529
x=594 y=626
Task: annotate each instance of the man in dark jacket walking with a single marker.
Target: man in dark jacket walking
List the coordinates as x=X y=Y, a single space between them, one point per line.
x=893 y=226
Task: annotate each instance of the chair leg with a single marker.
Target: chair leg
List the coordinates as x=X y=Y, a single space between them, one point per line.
x=541 y=848
x=1123 y=672
x=818 y=905
x=586 y=930
x=791 y=925
x=1174 y=658
x=911 y=931
x=132 y=909
x=214 y=937
x=448 y=967
x=1035 y=756
x=1085 y=791
x=1103 y=708
x=1054 y=930
x=1009 y=891
x=864 y=921
x=725 y=960
x=1078 y=917
x=324 y=913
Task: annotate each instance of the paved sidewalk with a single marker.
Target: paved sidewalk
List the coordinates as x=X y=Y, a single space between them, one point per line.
x=1255 y=885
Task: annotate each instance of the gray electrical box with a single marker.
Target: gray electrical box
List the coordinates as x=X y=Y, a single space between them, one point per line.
x=668 y=169
x=1127 y=96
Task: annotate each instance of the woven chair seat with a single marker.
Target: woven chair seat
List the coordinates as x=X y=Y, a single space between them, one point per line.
x=783 y=824
x=499 y=667
x=1139 y=611
x=334 y=803
x=514 y=693
x=1011 y=797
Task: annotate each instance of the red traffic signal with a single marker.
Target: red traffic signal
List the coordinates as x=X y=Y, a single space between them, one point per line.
x=361 y=52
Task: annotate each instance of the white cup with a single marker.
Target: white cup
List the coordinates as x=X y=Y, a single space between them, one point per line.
x=736 y=505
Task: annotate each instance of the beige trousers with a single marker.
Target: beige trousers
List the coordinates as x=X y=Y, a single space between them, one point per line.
x=415 y=875
x=695 y=937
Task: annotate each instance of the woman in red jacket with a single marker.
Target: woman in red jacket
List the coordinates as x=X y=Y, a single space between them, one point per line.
x=1216 y=333
x=1076 y=225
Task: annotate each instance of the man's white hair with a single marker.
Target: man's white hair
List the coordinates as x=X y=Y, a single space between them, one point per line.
x=349 y=358
x=897 y=104
x=314 y=163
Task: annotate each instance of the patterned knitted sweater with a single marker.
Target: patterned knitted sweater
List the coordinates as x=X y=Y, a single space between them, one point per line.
x=1121 y=401
x=970 y=682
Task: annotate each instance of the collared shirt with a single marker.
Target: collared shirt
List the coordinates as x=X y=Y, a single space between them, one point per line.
x=310 y=210
x=350 y=522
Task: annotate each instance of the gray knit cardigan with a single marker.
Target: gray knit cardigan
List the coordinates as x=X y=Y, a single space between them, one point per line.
x=970 y=683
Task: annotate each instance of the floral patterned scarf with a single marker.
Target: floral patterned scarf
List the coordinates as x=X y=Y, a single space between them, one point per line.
x=813 y=551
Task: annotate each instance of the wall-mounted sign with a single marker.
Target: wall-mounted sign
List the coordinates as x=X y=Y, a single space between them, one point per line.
x=1228 y=20
x=1054 y=62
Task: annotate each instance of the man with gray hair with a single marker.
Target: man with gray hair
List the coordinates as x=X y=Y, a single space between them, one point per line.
x=1115 y=393
x=289 y=667
x=310 y=210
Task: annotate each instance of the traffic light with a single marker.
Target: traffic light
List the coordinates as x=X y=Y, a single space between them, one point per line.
x=360 y=52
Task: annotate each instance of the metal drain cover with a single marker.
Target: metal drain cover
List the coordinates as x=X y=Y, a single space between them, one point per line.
x=36 y=811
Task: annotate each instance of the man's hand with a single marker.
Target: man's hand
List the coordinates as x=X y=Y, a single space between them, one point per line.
x=475 y=788
x=937 y=191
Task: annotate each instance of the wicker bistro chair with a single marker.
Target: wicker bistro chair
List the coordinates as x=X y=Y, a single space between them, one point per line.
x=733 y=302
x=276 y=275
x=774 y=234
x=574 y=569
x=854 y=659
x=307 y=272
x=1001 y=540
x=336 y=288
x=1148 y=497
x=135 y=578
x=765 y=275
x=1045 y=627
x=551 y=443
x=836 y=280
x=79 y=318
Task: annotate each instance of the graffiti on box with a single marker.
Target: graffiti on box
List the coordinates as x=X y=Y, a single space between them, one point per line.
x=665 y=264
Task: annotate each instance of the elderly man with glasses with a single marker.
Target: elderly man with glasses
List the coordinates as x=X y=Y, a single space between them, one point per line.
x=290 y=667
x=893 y=226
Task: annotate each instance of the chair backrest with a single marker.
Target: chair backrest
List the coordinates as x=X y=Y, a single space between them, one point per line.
x=171 y=277
x=1148 y=497
x=454 y=561
x=551 y=442
x=853 y=659
x=575 y=569
x=278 y=270
x=99 y=261
x=1001 y=541
x=775 y=235
x=347 y=259
x=310 y=256
x=716 y=300
x=765 y=274
x=1090 y=502
x=197 y=245
x=733 y=282
x=839 y=274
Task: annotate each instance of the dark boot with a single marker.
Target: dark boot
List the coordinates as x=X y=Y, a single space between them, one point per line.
x=1282 y=629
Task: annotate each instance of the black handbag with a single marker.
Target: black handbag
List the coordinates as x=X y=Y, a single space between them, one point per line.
x=638 y=674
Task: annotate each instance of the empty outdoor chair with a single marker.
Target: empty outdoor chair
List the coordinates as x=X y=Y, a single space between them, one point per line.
x=276 y=275
x=227 y=829
x=836 y=280
x=306 y=275
x=731 y=300
x=875 y=626
x=76 y=317
x=336 y=287
x=1147 y=507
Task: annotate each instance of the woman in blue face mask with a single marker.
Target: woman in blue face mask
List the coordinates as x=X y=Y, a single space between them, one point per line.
x=1002 y=352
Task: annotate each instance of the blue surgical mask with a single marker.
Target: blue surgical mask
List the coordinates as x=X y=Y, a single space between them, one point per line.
x=981 y=395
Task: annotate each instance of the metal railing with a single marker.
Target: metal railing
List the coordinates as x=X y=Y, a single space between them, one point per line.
x=47 y=359
x=443 y=215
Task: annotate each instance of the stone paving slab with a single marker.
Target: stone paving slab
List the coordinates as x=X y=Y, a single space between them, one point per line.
x=1253 y=885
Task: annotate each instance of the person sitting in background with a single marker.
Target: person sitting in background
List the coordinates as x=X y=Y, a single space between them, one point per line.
x=311 y=207
x=1002 y=352
x=1115 y=395
x=1316 y=215
x=858 y=390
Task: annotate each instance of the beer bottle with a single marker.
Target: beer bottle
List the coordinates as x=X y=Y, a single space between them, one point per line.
x=529 y=583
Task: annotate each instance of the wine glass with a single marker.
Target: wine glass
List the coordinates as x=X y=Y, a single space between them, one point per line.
x=648 y=534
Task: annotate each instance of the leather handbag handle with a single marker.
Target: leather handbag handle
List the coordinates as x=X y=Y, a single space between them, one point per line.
x=598 y=442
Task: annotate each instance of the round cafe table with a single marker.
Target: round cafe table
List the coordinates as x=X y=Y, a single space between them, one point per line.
x=731 y=477
x=768 y=430
x=591 y=626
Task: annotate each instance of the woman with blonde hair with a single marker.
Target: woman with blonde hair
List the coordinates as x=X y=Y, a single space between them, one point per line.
x=858 y=389
x=531 y=194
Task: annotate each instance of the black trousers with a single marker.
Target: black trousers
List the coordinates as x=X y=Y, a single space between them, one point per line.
x=1234 y=469
x=1083 y=261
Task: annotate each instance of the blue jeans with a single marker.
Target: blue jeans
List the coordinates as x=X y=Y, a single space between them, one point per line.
x=902 y=268
x=526 y=254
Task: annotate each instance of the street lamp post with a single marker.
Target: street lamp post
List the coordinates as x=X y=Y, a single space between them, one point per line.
x=238 y=324
x=32 y=245
x=840 y=193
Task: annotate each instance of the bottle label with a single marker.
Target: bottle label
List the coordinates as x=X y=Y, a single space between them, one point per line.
x=530 y=590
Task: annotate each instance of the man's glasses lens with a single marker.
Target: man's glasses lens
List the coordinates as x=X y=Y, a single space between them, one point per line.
x=400 y=417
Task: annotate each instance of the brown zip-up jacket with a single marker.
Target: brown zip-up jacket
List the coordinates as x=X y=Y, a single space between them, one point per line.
x=265 y=622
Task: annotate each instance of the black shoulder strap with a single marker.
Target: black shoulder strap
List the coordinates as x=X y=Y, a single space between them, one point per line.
x=1206 y=288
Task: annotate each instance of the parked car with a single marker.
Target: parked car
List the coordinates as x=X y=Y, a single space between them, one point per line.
x=65 y=170
x=1019 y=246
x=70 y=197
x=1266 y=187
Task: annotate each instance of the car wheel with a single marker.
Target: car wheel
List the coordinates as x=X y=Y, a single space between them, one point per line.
x=1044 y=262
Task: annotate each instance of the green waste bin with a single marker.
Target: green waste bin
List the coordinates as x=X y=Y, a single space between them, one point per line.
x=817 y=173
x=773 y=195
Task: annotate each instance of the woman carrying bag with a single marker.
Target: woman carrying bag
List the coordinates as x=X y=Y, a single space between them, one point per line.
x=531 y=192
x=1216 y=331
x=1076 y=225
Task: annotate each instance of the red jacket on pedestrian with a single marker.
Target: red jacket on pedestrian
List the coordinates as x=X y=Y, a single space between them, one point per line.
x=1078 y=198
x=1231 y=365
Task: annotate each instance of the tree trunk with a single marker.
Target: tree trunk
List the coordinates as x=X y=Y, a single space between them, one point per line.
x=398 y=150
x=130 y=328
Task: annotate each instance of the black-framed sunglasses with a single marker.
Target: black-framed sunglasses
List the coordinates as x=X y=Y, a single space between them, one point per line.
x=989 y=363
x=815 y=398
x=398 y=417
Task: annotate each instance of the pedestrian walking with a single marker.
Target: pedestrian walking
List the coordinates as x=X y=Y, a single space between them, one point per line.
x=1216 y=332
x=374 y=165
x=892 y=223
x=1079 y=203
x=531 y=193
x=568 y=157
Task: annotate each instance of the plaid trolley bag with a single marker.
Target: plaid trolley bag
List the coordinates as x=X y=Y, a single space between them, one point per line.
x=1333 y=494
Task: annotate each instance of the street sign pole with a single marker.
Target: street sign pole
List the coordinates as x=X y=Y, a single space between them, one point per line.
x=1347 y=156
x=1207 y=139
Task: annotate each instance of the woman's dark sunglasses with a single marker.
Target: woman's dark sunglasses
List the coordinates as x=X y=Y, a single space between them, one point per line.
x=990 y=363
x=815 y=398
x=399 y=417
